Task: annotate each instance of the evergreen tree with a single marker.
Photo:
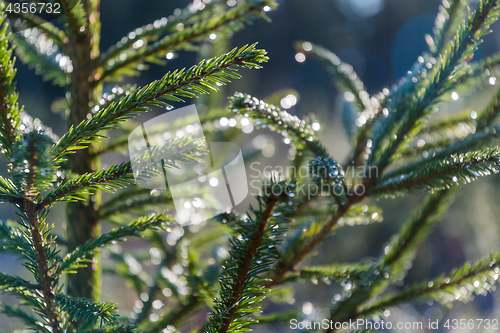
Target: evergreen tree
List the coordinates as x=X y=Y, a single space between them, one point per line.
x=267 y=245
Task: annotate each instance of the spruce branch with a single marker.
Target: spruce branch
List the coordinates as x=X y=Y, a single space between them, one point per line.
x=456 y=138
x=490 y=114
x=324 y=170
x=402 y=249
x=408 y=120
x=39 y=253
x=152 y=292
x=117 y=145
x=450 y=123
x=9 y=192
x=176 y=315
x=120 y=143
x=75 y=16
x=74 y=260
x=29 y=20
x=487 y=65
x=350 y=121
x=109 y=180
x=447 y=130
x=15 y=282
x=44 y=275
x=114 y=96
x=230 y=21
x=479 y=140
x=250 y=255
x=135 y=203
x=398 y=255
x=12 y=239
x=441 y=174
x=122 y=268
x=298 y=130
x=334 y=272
x=307 y=238
x=476 y=74
x=10 y=112
x=362 y=213
x=180 y=149
x=367 y=109
x=277 y=317
x=174 y=86
x=155 y=30
x=300 y=254
x=384 y=101
x=128 y=193
x=118 y=329
x=451 y=14
x=479 y=277
x=234 y=296
x=31 y=167
x=32 y=299
x=26 y=318
x=343 y=74
x=339 y=217
x=253 y=255
x=89 y=312
x=39 y=51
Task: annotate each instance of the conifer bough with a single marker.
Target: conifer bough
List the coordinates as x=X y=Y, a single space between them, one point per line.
x=238 y=264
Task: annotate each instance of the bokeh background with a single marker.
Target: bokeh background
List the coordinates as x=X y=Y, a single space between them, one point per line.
x=381 y=39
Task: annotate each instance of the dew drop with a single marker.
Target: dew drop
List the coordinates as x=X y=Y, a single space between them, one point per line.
x=300 y=57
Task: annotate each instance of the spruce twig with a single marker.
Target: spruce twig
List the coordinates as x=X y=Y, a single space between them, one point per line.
x=173 y=86
x=44 y=273
x=246 y=261
x=462 y=47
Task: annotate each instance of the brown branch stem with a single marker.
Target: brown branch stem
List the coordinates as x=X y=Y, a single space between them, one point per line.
x=46 y=280
x=246 y=262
